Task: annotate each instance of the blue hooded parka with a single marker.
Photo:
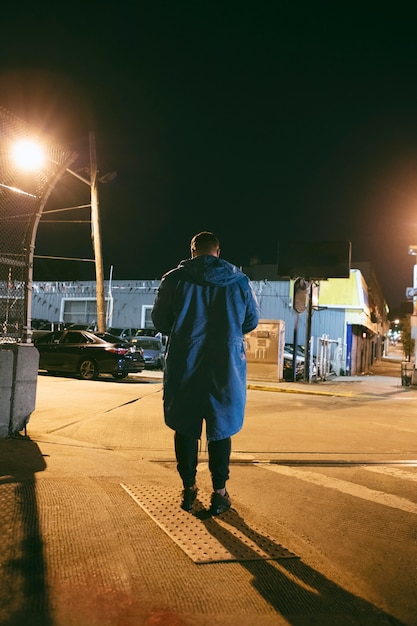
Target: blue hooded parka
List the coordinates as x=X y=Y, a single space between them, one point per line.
x=206 y=305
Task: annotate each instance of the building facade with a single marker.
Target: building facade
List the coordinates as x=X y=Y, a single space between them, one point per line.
x=345 y=319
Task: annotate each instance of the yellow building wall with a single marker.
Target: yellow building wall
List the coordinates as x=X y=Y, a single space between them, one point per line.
x=344 y=292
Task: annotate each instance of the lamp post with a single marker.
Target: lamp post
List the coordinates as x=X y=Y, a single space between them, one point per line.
x=95 y=234
x=30 y=155
x=96 y=237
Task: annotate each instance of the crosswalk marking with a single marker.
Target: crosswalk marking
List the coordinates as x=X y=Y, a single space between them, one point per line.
x=358 y=491
x=392 y=471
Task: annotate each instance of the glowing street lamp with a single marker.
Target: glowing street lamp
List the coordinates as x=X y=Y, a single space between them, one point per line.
x=30 y=156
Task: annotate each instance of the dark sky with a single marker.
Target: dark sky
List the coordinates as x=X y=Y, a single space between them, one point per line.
x=259 y=121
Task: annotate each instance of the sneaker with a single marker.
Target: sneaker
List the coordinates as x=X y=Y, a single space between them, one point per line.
x=220 y=504
x=188 y=496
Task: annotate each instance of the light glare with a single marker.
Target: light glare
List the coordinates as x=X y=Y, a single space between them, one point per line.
x=28 y=155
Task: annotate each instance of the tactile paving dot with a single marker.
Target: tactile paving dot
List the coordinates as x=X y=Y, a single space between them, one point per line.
x=206 y=539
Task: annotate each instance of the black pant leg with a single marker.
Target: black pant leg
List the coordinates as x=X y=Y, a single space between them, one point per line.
x=219 y=460
x=186 y=452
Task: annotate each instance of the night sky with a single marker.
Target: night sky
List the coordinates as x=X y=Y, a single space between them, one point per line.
x=259 y=121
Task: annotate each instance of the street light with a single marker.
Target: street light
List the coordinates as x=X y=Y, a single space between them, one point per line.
x=30 y=156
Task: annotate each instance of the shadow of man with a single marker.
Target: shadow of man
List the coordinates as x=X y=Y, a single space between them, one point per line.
x=23 y=589
x=294 y=589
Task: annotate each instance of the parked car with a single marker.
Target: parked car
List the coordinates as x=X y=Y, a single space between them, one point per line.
x=152 y=332
x=88 y=354
x=147 y=332
x=123 y=333
x=37 y=322
x=300 y=360
x=153 y=351
x=92 y=327
x=46 y=328
x=288 y=365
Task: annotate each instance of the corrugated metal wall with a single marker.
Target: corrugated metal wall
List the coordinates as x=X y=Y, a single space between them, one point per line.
x=129 y=298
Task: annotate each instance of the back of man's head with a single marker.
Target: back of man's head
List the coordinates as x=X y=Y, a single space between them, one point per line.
x=205 y=243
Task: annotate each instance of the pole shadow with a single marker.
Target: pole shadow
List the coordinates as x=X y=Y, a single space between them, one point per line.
x=23 y=588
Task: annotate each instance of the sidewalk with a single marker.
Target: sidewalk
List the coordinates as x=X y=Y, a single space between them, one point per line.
x=383 y=379
x=77 y=550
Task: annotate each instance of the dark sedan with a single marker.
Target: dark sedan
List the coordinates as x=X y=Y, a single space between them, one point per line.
x=88 y=354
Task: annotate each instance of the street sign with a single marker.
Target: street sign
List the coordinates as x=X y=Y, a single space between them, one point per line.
x=300 y=295
x=411 y=292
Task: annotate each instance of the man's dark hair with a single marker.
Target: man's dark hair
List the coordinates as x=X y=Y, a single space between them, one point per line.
x=204 y=243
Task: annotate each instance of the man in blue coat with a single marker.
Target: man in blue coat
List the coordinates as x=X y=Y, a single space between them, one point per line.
x=205 y=306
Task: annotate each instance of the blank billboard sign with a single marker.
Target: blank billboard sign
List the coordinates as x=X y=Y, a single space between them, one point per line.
x=314 y=260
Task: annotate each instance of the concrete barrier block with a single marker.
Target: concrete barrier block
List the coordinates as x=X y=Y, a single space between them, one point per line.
x=18 y=381
x=26 y=377
x=6 y=368
x=6 y=383
x=24 y=401
x=5 y=401
x=27 y=362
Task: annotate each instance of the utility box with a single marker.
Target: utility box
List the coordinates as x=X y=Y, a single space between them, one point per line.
x=18 y=378
x=407 y=373
x=265 y=351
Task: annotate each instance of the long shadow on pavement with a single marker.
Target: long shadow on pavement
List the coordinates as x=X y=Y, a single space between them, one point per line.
x=23 y=589
x=299 y=593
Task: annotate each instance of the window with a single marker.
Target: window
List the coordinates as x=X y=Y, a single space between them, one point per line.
x=74 y=337
x=79 y=310
x=146 y=316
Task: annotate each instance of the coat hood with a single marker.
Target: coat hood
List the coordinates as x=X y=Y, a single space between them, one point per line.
x=210 y=270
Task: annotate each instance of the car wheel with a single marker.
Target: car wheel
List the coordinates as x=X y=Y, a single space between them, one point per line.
x=87 y=369
x=120 y=375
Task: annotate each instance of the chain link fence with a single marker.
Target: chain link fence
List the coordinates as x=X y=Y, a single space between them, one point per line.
x=23 y=195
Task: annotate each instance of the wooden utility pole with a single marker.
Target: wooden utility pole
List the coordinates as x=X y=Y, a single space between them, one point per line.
x=96 y=238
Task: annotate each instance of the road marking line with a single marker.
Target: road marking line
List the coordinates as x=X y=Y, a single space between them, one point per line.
x=393 y=471
x=343 y=486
